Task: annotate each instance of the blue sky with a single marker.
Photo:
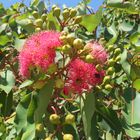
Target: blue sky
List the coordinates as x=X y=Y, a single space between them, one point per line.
x=94 y=3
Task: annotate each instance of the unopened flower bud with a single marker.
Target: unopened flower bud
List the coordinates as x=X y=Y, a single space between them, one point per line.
x=37 y=29
x=89 y=58
x=70 y=38
x=106 y=79
x=56 y=12
x=108 y=87
x=59 y=83
x=65 y=14
x=67 y=49
x=35 y=14
x=78 y=43
x=110 y=48
x=73 y=13
x=39 y=127
x=39 y=22
x=111 y=62
x=110 y=70
x=70 y=119
x=68 y=137
x=54 y=119
x=117 y=51
x=43 y=17
x=77 y=20
x=118 y=58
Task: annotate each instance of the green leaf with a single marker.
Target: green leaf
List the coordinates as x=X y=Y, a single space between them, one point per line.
x=26 y=24
x=3 y=27
x=4 y=40
x=7 y=81
x=135 y=39
x=136 y=84
x=52 y=19
x=126 y=6
x=127 y=26
x=19 y=44
x=110 y=117
x=34 y=2
x=29 y=133
x=112 y=30
x=43 y=99
x=125 y=65
x=87 y=111
x=26 y=83
x=131 y=113
x=21 y=113
x=69 y=129
x=92 y=21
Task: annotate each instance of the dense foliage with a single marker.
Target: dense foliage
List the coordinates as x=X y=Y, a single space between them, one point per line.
x=70 y=73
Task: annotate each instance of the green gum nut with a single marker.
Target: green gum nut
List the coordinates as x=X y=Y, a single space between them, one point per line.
x=110 y=48
x=111 y=62
x=73 y=13
x=48 y=138
x=37 y=29
x=35 y=14
x=70 y=119
x=70 y=38
x=39 y=22
x=78 y=19
x=56 y=12
x=54 y=119
x=39 y=127
x=89 y=58
x=53 y=7
x=68 y=137
x=117 y=51
x=118 y=58
x=110 y=70
x=63 y=38
x=78 y=43
x=65 y=14
x=43 y=17
x=59 y=83
x=106 y=79
x=98 y=67
x=67 y=49
x=108 y=87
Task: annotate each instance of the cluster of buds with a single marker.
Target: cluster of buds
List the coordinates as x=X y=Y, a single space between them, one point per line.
x=40 y=21
x=67 y=17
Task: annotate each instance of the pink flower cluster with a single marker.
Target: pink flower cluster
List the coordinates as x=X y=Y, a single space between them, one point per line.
x=81 y=77
x=38 y=51
x=97 y=52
